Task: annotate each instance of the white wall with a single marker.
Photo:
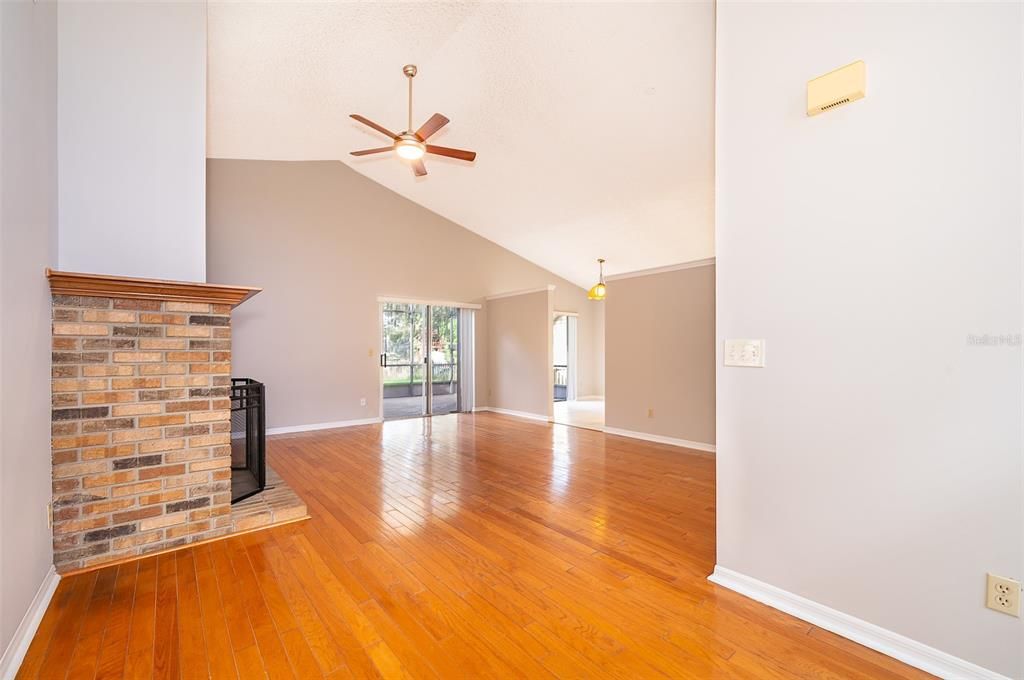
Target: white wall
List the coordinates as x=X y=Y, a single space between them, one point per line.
x=132 y=122
x=874 y=465
x=28 y=203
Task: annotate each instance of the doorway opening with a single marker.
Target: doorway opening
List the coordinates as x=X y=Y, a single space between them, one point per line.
x=569 y=407
x=425 y=360
x=563 y=353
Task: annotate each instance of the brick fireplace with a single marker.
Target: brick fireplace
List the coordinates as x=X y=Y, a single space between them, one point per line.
x=141 y=430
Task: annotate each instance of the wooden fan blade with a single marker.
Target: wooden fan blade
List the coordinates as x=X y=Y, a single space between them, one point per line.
x=370 y=123
x=419 y=168
x=367 y=152
x=451 y=153
x=436 y=122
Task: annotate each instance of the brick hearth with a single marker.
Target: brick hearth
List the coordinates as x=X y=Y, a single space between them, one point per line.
x=141 y=419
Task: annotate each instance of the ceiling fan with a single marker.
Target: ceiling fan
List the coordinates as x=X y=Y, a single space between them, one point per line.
x=412 y=145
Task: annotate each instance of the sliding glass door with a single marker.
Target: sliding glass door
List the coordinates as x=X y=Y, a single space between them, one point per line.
x=420 y=360
x=403 y=360
x=444 y=360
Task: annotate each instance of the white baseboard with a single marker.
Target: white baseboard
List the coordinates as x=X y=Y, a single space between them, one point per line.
x=685 y=443
x=322 y=426
x=10 y=662
x=875 y=637
x=517 y=414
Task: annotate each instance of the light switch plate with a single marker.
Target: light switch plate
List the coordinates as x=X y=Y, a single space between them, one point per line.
x=748 y=353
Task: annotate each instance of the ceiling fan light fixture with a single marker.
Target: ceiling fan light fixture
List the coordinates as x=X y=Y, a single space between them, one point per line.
x=409 y=148
x=411 y=145
x=599 y=291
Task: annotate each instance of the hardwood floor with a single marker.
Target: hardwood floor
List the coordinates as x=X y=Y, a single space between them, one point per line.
x=469 y=547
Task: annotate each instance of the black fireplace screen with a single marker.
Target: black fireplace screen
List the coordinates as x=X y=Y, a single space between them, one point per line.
x=248 y=438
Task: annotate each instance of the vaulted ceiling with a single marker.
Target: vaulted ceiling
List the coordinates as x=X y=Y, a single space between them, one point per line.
x=593 y=122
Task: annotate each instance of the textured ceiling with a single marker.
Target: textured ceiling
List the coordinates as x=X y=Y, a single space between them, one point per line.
x=593 y=122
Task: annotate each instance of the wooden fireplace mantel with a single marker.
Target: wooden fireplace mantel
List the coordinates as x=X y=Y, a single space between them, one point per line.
x=104 y=285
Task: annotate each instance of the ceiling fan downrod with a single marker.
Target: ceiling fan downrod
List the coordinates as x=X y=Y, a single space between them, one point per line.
x=410 y=72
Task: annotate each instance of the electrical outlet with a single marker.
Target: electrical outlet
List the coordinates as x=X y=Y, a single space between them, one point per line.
x=650 y=413
x=1003 y=595
x=362 y=402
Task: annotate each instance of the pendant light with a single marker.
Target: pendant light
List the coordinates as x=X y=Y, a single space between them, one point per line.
x=599 y=290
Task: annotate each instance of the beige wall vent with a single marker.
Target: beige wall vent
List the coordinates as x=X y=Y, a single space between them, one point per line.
x=834 y=89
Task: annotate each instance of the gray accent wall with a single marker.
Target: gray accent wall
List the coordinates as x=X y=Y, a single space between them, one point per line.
x=519 y=331
x=324 y=242
x=660 y=354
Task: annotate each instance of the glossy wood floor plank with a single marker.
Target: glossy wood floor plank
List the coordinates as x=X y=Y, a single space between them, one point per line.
x=214 y=622
x=114 y=646
x=464 y=547
x=142 y=628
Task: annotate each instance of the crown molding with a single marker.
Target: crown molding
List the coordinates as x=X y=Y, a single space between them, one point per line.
x=662 y=270
x=105 y=285
x=542 y=289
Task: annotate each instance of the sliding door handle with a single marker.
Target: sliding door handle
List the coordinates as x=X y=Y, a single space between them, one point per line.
x=384 y=360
